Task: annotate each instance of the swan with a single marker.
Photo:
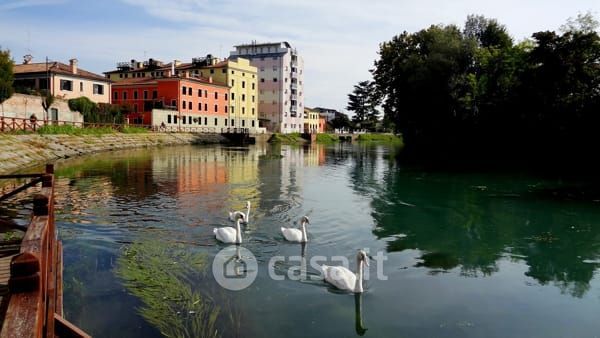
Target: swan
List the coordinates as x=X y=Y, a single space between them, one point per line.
x=230 y=234
x=233 y=215
x=344 y=279
x=296 y=235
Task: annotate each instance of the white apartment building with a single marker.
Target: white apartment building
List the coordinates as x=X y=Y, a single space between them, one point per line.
x=280 y=84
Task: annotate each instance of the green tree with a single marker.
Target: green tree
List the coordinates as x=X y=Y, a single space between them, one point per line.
x=583 y=23
x=363 y=102
x=6 y=75
x=86 y=107
x=341 y=121
x=47 y=100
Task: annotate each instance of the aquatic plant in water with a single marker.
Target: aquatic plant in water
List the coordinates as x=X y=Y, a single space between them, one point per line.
x=160 y=276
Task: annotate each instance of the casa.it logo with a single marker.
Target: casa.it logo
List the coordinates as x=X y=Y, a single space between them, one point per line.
x=235 y=268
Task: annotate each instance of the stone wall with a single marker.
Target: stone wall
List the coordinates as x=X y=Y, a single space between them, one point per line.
x=21 y=151
x=23 y=106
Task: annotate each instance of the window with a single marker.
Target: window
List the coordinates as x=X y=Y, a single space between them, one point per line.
x=189 y=119
x=174 y=118
x=226 y=120
x=183 y=120
x=66 y=85
x=216 y=108
x=206 y=121
x=121 y=76
x=168 y=118
x=252 y=98
x=232 y=96
x=206 y=107
x=183 y=104
x=126 y=75
x=224 y=71
x=233 y=72
x=115 y=96
x=252 y=123
x=232 y=82
x=262 y=79
x=154 y=94
x=124 y=95
x=252 y=111
x=216 y=121
x=225 y=96
x=145 y=95
x=81 y=87
x=243 y=97
x=274 y=79
x=232 y=122
x=226 y=109
x=190 y=105
x=253 y=85
x=135 y=94
x=199 y=92
x=243 y=84
x=243 y=110
x=183 y=90
x=200 y=120
x=232 y=109
x=174 y=104
x=212 y=71
x=199 y=106
x=206 y=93
x=190 y=91
x=243 y=74
x=216 y=95
x=243 y=123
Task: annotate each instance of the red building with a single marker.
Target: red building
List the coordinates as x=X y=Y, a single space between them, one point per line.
x=193 y=101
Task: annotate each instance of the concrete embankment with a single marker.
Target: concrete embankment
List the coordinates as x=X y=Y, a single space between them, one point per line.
x=21 y=151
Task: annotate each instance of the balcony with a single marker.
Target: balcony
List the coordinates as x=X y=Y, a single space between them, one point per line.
x=294 y=86
x=294 y=75
x=293 y=108
x=294 y=97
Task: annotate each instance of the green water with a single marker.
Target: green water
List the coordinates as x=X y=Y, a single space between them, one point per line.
x=468 y=255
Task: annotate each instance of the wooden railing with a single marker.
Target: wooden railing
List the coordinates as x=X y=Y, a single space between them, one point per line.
x=35 y=307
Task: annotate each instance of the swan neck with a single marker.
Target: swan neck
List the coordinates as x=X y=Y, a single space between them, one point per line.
x=238 y=232
x=304 y=237
x=248 y=214
x=359 y=276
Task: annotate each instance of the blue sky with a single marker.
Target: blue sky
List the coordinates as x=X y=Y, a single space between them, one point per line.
x=338 y=39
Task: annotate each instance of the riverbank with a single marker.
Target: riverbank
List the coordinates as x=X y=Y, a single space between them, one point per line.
x=328 y=138
x=20 y=151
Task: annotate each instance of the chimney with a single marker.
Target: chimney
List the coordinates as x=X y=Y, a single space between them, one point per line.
x=210 y=80
x=27 y=59
x=173 y=68
x=73 y=63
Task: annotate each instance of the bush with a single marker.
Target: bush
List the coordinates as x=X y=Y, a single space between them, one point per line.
x=327 y=138
x=71 y=130
x=381 y=138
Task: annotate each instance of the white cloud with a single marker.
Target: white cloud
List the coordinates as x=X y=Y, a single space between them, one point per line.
x=15 y=4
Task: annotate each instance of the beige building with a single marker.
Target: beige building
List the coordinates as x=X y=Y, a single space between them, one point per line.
x=64 y=81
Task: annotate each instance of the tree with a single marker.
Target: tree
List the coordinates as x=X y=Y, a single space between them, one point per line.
x=363 y=102
x=6 y=75
x=47 y=101
x=86 y=107
x=341 y=121
x=583 y=23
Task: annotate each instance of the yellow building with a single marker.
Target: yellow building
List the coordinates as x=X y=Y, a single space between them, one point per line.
x=311 y=121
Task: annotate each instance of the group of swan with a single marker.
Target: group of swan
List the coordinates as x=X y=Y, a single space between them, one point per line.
x=338 y=276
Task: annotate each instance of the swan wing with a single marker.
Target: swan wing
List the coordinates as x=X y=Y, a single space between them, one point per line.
x=225 y=235
x=292 y=235
x=340 y=277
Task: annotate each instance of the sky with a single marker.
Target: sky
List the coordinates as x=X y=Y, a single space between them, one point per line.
x=338 y=39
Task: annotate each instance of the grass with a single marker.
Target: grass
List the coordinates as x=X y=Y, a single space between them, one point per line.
x=71 y=130
x=292 y=138
x=134 y=130
x=381 y=138
x=327 y=138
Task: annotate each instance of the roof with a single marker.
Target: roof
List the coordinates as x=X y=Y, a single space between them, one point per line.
x=58 y=68
x=150 y=81
x=136 y=81
x=285 y=43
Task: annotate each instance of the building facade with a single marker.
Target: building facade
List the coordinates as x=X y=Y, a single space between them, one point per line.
x=280 y=84
x=311 y=121
x=238 y=76
x=63 y=81
x=174 y=102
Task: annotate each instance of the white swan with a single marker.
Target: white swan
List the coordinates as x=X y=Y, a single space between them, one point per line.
x=230 y=234
x=296 y=235
x=233 y=215
x=344 y=279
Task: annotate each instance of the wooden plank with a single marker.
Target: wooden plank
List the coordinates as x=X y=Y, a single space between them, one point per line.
x=59 y=278
x=21 y=188
x=64 y=329
x=21 y=318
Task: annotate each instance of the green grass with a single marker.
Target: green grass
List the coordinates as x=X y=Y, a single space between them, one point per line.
x=292 y=138
x=71 y=130
x=381 y=138
x=327 y=138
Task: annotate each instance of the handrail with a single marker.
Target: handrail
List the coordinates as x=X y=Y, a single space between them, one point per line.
x=35 y=283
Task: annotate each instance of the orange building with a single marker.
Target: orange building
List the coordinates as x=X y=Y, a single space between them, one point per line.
x=193 y=101
x=322 y=124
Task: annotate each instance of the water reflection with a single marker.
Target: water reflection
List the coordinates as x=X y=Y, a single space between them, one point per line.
x=132 y=221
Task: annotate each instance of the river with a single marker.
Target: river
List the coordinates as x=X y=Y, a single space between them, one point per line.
x=467 y=254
